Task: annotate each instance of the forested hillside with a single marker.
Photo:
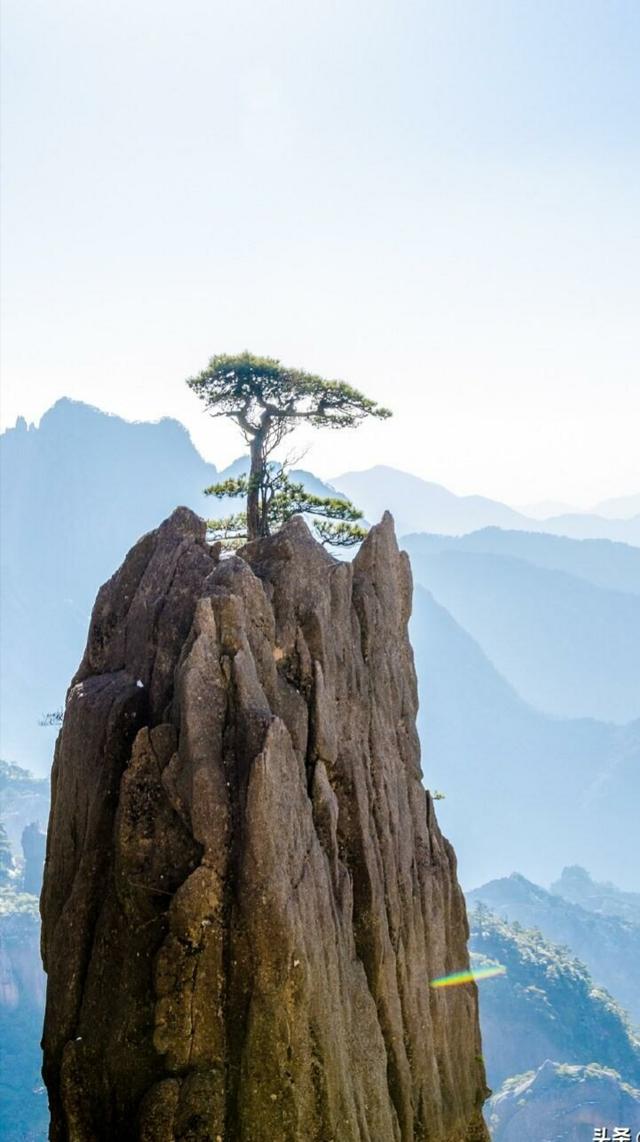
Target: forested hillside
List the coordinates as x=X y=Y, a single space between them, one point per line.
x=608 y=945
x=546 y=1006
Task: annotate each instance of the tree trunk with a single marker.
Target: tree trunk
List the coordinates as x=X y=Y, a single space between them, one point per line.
x=255 y=481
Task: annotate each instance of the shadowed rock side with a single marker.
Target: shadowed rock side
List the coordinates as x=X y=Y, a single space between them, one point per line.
x=246 y=889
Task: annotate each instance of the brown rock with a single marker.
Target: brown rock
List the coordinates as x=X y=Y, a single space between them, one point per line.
x=246 y=890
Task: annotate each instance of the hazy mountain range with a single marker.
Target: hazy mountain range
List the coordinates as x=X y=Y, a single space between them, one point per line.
x=606 y=898
x=523 y=789
x=619 y=507
x=418 y=505
x=601 y=562
x=492 y=635
x=569 y=646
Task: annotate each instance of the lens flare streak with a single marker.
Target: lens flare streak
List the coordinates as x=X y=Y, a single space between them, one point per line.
x=459 y=977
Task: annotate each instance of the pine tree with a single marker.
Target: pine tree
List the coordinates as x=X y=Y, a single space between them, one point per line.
x=267 y=401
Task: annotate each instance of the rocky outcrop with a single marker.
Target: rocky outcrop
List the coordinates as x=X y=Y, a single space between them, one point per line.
x=246 y=890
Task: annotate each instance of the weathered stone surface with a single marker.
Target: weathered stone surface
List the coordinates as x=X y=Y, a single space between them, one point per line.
x=246 y=890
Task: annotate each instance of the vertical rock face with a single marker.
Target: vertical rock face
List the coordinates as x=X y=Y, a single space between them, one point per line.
x=246 y=891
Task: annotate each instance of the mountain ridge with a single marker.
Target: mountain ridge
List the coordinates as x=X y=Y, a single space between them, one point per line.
x=433 y=508
x=605 y=563
x=608 y=945
x=570 y=648
x=482 y=743
x=547 y=1005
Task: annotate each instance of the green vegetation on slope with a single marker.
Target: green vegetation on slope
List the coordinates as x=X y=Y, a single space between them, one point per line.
x=546 y=1007
x=609 y=946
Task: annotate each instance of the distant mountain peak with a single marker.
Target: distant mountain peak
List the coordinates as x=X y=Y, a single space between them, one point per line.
x=422 y=506
x=68 y=411
x=620 y=507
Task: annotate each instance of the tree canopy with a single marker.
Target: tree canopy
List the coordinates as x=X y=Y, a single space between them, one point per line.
x=335 y=520
x=255 y=390
x=268 y=400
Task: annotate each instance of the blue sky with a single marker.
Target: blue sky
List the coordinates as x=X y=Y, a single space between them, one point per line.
x=437 y=201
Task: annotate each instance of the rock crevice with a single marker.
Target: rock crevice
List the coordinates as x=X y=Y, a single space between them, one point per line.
x=246 y=890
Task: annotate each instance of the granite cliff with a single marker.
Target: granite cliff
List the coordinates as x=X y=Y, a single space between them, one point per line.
x=246 y=891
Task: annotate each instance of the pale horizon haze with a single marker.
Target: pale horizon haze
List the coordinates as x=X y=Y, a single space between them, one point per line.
x=438 y=202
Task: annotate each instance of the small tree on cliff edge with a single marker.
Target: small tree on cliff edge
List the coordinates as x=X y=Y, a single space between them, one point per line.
x=335 y=520
x=267 y=400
